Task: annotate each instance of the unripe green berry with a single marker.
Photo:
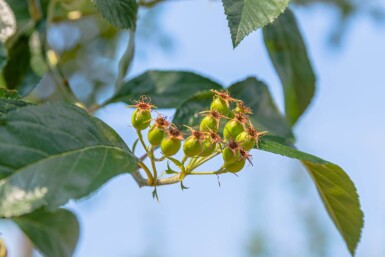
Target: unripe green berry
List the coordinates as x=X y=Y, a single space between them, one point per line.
x=208 y=148
x=220 y=105
x=232 y=129
x=230 y=155
x=192 y=146
x=141 y=119
x=155 y=135
x=209 y=123
x=170 y=146
x=235 y=166
x=246 y=141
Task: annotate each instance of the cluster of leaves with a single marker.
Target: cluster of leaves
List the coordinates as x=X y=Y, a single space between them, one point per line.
x=53 y=152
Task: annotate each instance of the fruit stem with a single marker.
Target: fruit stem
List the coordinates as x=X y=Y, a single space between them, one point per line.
x=202 y=160
x=140 y=136
x=220 y=171
x=160 y=159
x=148 y=172
x=184 y=159
x=151 y=155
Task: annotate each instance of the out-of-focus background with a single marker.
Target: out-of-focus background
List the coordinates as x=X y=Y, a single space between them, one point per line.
x=272 y=208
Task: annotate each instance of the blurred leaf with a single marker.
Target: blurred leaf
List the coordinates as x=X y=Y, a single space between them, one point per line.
x=18 y=73
x=266 y=115
x=3 y=56
x=56 y=152
x=53 y=234
x=167 y=89
x=19 y=56
x=120 y=13
x=20 y=9
x=245 y=16
x=336 y=189
x=288 y=54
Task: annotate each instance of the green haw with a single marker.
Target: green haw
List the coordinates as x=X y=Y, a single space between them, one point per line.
x=240 y=164
x=193 y=144
x=157 y=131
x=171 y=143
x=209 y=143
x=141 y=117
x=249 y=138
x=221 y=102
x=232 y=142
x=235 y=126
x=231 y=153
x=211 y=121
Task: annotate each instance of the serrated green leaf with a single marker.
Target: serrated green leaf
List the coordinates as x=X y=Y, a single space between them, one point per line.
x=53 y=234
x=120 y=13
x=3 y=56
x=266 y=115
x=245 y=16
x=167 y=89
x=336 y=189
x=288 y=54
x=54 y=153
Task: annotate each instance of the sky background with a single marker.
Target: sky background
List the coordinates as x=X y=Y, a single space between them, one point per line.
x=272 y=208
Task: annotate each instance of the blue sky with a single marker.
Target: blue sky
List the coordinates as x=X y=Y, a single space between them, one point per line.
x=345 y=124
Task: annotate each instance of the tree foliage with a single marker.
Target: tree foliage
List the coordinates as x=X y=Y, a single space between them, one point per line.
x=51 y=153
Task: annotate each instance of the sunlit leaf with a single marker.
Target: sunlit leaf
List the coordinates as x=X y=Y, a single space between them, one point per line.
x=54 y=153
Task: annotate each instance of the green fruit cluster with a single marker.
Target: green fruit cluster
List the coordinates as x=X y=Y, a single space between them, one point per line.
x=233 y=141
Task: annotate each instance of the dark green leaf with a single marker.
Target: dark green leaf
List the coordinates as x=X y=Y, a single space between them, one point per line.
x=20 y=9
x=167 y=89
x=56 y=152
x=120 y=13
x=3 y=56
x=288 y=54
x=188 y=112
x=336 y=189
x=245 y=16
x=265 y=115
x=53 y=234
x=18 y=73
x=19 y=57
